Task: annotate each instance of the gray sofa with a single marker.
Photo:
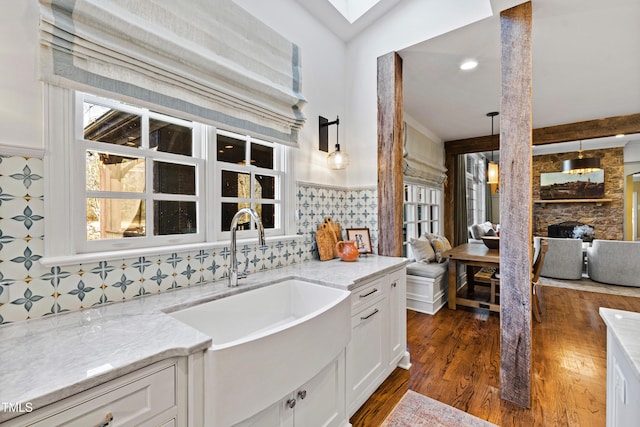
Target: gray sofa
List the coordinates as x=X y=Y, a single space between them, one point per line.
x=564 y=258
x=615 y=262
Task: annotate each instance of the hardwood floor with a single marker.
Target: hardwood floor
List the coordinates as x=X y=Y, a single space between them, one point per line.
x=456 y=360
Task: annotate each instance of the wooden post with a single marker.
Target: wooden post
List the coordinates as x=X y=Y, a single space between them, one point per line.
x=390 y=181
x=515 y=206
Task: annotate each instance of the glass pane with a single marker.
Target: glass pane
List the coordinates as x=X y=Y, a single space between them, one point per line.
x=434 y=213
x=265 y=187
x=434 y=197
x=409 y=213
x=170 y=138
x=172 y=178
x=106 y=172
x=267 y=214
x=229 y=210
x=231 y=150
x=115 y=218
x=174 y=217
x=111 y=126
x=236 y=184
x=262 y=156
x=423 y=213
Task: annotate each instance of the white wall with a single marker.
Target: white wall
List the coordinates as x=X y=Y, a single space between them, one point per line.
x=323 y=82
x=410 y=22
x=20 y=89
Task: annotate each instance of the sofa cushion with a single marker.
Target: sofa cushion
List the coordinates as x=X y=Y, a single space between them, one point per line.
x=430 y=270
x=422 y=250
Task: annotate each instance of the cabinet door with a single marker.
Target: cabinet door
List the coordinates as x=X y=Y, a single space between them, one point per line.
x=277 y=415
x=321 y=401
x=147 y=397
x=397 y=317
x=366 y=354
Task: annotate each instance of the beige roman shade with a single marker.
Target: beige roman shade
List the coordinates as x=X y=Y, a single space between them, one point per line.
x=422 y=158
x=207 y=58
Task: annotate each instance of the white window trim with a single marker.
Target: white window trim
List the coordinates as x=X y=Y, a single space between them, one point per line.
x=61 y=166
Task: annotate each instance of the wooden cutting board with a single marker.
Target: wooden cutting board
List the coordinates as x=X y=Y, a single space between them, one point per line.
x=335 y=227
x=326 y=240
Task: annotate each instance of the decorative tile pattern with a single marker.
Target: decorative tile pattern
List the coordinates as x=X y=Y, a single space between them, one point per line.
x=356 y=208
x=29 y=290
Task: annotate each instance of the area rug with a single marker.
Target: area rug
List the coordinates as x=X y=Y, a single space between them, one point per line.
x=416 y=410
x=589 y=285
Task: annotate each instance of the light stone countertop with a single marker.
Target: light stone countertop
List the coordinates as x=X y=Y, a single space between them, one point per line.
x=625 y=327
x=48 y=359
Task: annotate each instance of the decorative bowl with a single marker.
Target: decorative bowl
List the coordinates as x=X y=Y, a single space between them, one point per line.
x=492 y=242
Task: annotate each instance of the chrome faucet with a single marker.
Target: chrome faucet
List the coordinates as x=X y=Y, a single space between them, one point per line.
x=234 y=275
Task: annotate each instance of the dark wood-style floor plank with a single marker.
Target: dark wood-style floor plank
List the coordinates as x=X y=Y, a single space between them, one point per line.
x=456 y=360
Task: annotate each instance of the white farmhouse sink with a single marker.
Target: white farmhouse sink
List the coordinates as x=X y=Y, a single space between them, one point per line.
x=267 y=342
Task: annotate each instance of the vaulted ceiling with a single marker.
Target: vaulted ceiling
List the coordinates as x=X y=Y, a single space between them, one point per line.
x=586 y=65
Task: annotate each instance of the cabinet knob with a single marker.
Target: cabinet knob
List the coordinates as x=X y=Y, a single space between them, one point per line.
x=394 y=284
x=302 y=394
x=107 y=420
x=291 y=403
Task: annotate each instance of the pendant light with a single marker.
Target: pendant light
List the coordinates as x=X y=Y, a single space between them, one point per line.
x=336 y=159
x=581 y=165
x=493 y=172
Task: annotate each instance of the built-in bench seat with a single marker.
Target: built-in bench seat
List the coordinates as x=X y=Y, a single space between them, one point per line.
x=427 y=286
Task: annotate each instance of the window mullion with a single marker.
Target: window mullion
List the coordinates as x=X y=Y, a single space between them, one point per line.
x=148 y=197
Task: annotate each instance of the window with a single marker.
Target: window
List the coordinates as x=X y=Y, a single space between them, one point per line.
x=422 y=210
x=476 y=189
x=135 y=178
x=143 y=176
x=248 y=175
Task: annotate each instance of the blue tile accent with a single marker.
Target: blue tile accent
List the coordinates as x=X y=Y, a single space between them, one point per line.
x=27 y=177
x=28 y=300
x=36 y=291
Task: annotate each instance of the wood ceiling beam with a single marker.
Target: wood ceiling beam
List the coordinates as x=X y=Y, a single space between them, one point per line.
x=589 y=129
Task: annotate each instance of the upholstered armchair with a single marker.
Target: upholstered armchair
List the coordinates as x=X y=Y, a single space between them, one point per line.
x=564 y=259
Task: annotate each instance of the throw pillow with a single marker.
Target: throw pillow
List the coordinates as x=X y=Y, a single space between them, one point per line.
x=487 y=226
x=422 y=250
x=477 y=231
x=440 y=245
x=490 y=233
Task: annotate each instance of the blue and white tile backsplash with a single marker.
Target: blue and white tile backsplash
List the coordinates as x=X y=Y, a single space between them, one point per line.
x=34 y=290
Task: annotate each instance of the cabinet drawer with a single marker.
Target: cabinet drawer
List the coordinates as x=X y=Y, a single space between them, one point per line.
x=364 y=296
x=139 y=401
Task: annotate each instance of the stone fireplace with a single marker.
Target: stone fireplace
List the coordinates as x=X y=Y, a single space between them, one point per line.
x=606 y=217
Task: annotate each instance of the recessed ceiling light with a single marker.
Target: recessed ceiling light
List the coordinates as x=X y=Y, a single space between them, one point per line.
x=620 y=135
x=469 y=65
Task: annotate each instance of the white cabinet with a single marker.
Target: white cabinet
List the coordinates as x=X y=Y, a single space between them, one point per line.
x=319 y=402
x=397 y=318
x=148 y=397
x=378 y=336
x=366 y=361
x=623 y=387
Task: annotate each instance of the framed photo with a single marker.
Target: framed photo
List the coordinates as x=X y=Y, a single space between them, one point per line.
x=362 y=239
x=558 y=185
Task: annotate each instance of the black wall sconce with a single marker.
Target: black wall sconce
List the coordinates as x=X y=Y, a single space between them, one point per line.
x=336 y=159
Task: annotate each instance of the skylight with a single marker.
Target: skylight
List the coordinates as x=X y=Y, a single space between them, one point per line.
x=353 y=9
